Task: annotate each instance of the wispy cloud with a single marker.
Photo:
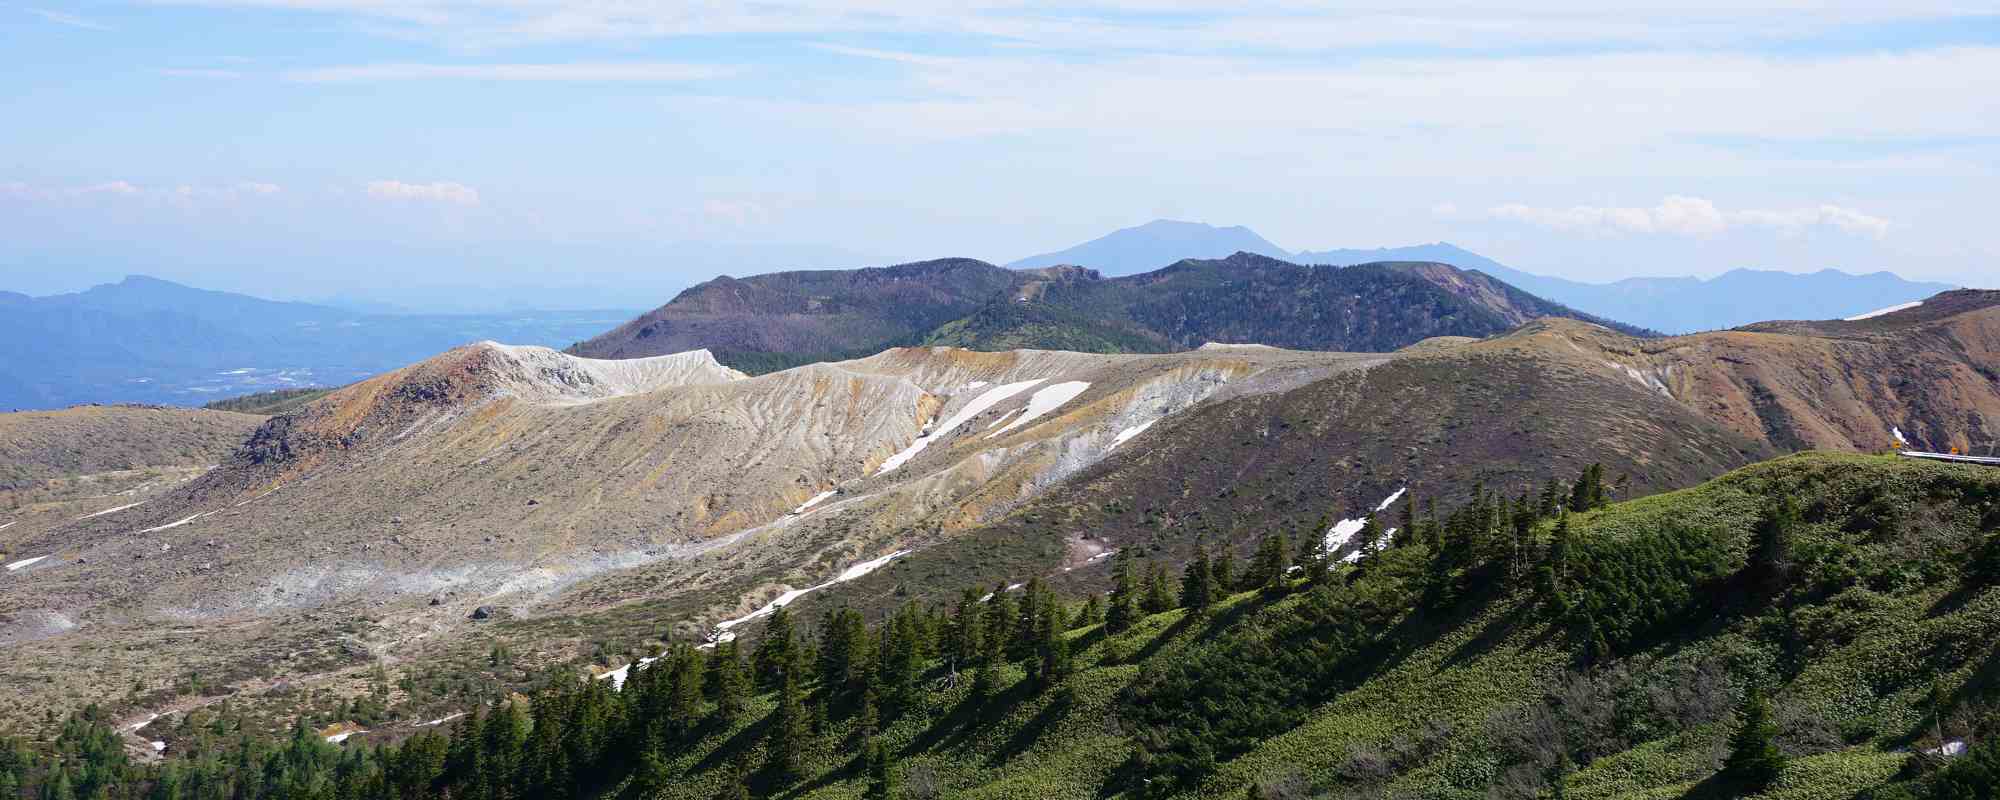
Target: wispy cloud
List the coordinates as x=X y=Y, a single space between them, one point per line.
x=177 y=72
x=65 y=18
x=1296 y=26
x=1681 y=215
x=437 y=192
x=645 y=72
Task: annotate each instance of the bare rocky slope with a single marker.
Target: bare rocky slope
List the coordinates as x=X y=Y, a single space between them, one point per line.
x=586 y=500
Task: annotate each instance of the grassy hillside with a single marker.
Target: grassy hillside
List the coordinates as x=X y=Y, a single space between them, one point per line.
x=40 y=445
x=1498 y=650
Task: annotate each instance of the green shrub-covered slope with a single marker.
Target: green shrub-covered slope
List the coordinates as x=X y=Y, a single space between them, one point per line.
x=1802 y=628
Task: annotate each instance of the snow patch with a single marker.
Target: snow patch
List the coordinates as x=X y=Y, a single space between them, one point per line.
x=974 y=385
x=618 y=676
x=1345 y=529
x=816 y=500
x=1129 y=433
x=159 y=747
x=341 y=737
x=1044 y=401
x=1355 y=556
x=175 y=524
x=439 y=721
x=1881 y=311
x=8 y=525
x=1951 y=749
x=110 y=511
x=24 y=563
x=851 y=573
x=1893 y=431
x=978 y=406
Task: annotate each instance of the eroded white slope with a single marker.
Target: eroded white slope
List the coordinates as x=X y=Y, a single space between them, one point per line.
x=542 y=374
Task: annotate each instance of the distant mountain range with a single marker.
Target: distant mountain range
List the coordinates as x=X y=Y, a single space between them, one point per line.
x=145 y=340
x=784 y=319
x=1671 y=305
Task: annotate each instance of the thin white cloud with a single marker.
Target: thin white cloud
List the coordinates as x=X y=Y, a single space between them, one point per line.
x=1680 y=215
x=120 y=188
x=72 y=20
x=1301 y=26
x=437 y=192
x=177 y=72
x=646 y=72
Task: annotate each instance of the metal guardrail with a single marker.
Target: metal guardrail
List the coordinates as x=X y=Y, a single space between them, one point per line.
x=1955 y=458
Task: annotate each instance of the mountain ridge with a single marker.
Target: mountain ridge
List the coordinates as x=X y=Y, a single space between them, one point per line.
x=777 y=320
x=1669 y=304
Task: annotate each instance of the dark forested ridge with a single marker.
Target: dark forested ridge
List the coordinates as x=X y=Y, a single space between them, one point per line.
x=1817 y=626
x=770 y=322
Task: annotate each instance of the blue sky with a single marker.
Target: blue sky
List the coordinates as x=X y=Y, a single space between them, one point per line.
x=610 y=151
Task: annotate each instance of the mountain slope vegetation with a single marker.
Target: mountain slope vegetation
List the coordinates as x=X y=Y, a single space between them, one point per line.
x=1802 y=628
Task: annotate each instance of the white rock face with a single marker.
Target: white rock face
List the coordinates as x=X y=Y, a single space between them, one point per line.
x=544 y=375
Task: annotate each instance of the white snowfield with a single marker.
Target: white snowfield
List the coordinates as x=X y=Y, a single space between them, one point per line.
x=544 y=375
x=1345 y=529
x=722 y=632
x=341 y=737
x=1880 y=311
x=8 y=525
x=111 y=511
x=159 y=747
x=24 y=563
x=1044 y=401
x=1128 y=433
x=979 y=405
x=816 y=500
x=1898 y=433
x=439 y=721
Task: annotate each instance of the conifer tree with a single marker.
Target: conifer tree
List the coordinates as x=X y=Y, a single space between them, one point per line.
x=1274 y=559
x=1588 y=491
x=966 y=627
x=1158 y=598
x=868 y=721
x=777 y=654
x=1754 y=759
x=1123 y=607
x=1552 y=499
x=1370 y=535
x=788 y=729
x=684 y=695
x=729 y=682
x=1406 y=528
x=1090 y=614
x=1197 y=590
x=881 y=771
x=1223 y=569
x=1001 y=617
x=652 y=777
x=1022 y=641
